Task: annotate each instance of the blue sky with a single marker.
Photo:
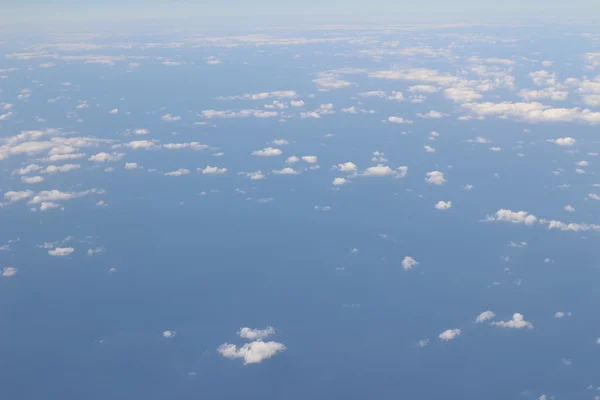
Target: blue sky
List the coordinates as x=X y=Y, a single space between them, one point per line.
x=353 y=210
x=39 y=10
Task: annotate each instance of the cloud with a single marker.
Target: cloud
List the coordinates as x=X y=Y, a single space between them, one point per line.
x=213 y=170
x=141 y=131
x=292 y=160
x=340 y=181
x=179 y=172
x=346 y=167
x=32 y=180
x=310 y=159
x=169 y=334
x=548 y=93
x=286 y=171
x=13 y=197
x=238 y=114
x=443 y=205
x=517 y=322
x=516 y=217
x=253 y=352
x=564 y=141
x=140 y=144
x=53 y=169
x=398 y=120
x=449 y=334
x=61 y=251
x=279 y=94
x=484 y=316
x=267 y=152
x=106 y=157
x=57 y=195
x=297 y=103
x=190 y=145
x=432 y=114
x=379 y=170
x=9 y=271
x=429 y=149
x=532 y=112
x=170 y=118
x=569 y=208
x=322 y=208
x=424 y=89
x=131 y=165
x=326 y=81
x=374 y=93
x=435 y=178
x=409 y=263
x=256 y=334
x=257 y=175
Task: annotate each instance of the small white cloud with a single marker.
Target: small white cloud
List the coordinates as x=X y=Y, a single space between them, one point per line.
x=286 y=171
x=9 y=271
x=423 y=342
x=435 y=178
x=61 y=251
x=495 y=149
x=484 y=316
x=170 y=118
x=141 y=131
x=379 y=170
x=564 y=141
x=398 y=120
x=106 y=157
x=443 y=205
x=179 y=172
x=429 y=149
x=310 y=159
x=409 y=263
x=346 y=167
x=32 y=180
x=516 y=217
x=340 y=181
x=253 y=352
x=213 y=170
x=517 y=322
x=267 y=152
x=114 y=111
x=256 y=334
x=449 y=334
x=169 y=334
x=131 y=165
x=569 y=208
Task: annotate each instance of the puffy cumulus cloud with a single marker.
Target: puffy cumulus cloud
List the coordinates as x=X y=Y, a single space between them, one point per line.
x=15 y=196
x=398 y=120
x=179 y=172
x=170 y=118
x=324 y=109
x=267 y=152
x=169 y=334
x=131 y=165
x=255 y=176
x=61 y=251
x=564 y=141
x=280 y=142
x=7 y=272
x=435 y=178
x=449 y=334
x=547 y=93
x=462 y=94
x=443 y=205
x=329 y=80
x=256 y=334
x=292 y=160
x=32 y=180
x=53 y=169
x=286 y=171
x=484 y=316
x=543 y=78
x=429 y=149
x=340 y=181
x=297 y=103
x=27 y=169
x=322 y=208
x=569 y=208
x=189 y=145
x=245 y=113
x=570 y=227
x=516 y=217
x=374 y=93
x=48 y=205
x=57 y=195
x=355 y=110
x=432 y=114
x=346 y=167
x=253 y=352
x=496 y=60
x=106 y=157
x=310 y=159
x=212 y=170
x=517 y=322
x=279 y=94
x=141 y=131
x=532 y=112
x=379 y=170
x=409 y=263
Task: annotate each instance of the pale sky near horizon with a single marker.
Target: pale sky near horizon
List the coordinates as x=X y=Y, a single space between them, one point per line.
x=41 y=10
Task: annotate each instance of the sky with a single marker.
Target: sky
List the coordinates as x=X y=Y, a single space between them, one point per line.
x=43 y=11
x=356 y=210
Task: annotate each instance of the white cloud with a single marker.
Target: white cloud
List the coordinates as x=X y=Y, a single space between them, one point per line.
x=310 y=159
x=131 y=165
x=213 y=170
x=429 y=149
x=280 y=142
x=267 y=152
x=57 y=195
x=253 y=352
x=13 y=197
x=423 y=342
x=462 y=94
x=484 y=316
x=443 y=205
x=516 y=217
x=61 y=251
x=532 y=112
x=326 y=80
x=346 y=167
x=564 y=141
x=279 y=94
x=189 y=145
x=322 y=208
x=169 y=334
x=297 y=103
x=140 y=144
x=379 y=170
x=340 y=181
x=53 y=169
x=547 y=93
x=292 y=160
x=256 y=334
x=517 y=322
x=114 y=111
x=170 y=118
x=398 y=120
x=245 y=113
x=435 y=178
x=432 y=114
x=32 y=180
x=257 y=175
x=424 y=89
x=409 y=263
x=106 y=157
x=9 y=271
x=286 y=171
x=179 y=172
x=449 y=334
x=141 y=131
x=543 y=78
x=569 y=208
x=496 y=149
